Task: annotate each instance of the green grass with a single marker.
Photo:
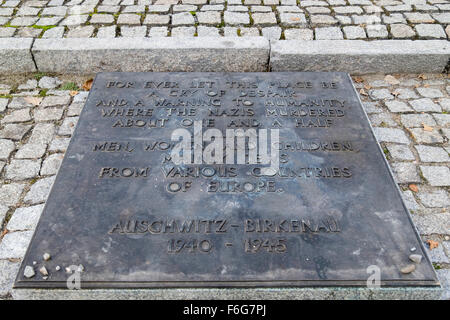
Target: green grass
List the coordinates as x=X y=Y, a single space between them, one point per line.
x=38 y=76
x=72 y=86
x=6 y=96
x=43 y=93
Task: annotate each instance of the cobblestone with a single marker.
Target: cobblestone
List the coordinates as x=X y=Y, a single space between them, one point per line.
x=328 y=33
x=14 y=244
x=417 y=120
x=21 y=115
x=14 y=131
x=432 y=154
x=364 y=19
x=405 y=172
x=437 y=255
x=25 y=218
x=381 y=94
x=236 y=18
x=410 y=201
x=10 y=193
x=354 y=32
x=425 y=105
x=438 y=176
x=49 y=82
x=400 y=152
x=51 y=164
x=6 y=147
x=31 y=151
x=391 y=135
x=422 y=136
x=435 y=223
x=401 y=31
x=430 y=92
x=299 y=34
x=433 y=31
x=442 y=120
x=397 y=106
x=8 y=272
x=184 y=18
x=48 y=114
x=22 y=169
x=434 y=199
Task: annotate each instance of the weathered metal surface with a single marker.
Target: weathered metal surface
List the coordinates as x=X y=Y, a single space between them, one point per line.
x=330 y=212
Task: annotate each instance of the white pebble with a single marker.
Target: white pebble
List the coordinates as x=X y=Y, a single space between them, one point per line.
x=417 y=258
x=29 y=272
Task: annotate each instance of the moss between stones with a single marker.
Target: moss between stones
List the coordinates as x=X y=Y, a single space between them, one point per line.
x=45 y=28
x=8 y=25
x=38 y=76
x=43 y=93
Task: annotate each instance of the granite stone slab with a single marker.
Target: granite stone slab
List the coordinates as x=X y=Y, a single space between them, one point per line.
x=360 y=57
x=15 y=55
x=151 y=54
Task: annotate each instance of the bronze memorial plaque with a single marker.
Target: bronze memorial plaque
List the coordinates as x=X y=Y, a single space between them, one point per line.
x=224 y=180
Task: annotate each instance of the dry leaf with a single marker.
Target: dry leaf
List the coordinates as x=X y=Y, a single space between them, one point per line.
x=427 y=128
x=426 y=85
x=422 y=76
x=362 y=92
x=33 y=100
x=73 y=93
x=413 y=187
x=3 y=233
x=358 y=79
x=367 y=87
x=391 y=79
x=88 y=84
x=433 y=244
x=295 y=18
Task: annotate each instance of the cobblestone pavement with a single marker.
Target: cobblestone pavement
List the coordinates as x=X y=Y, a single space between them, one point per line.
x=410 y=116
x=275 y=19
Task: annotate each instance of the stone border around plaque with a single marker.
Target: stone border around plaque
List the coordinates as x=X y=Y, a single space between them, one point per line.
x=229 y=54
x=333 y=293
x=15 y=55
x=361 y=57
x=151 y=54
